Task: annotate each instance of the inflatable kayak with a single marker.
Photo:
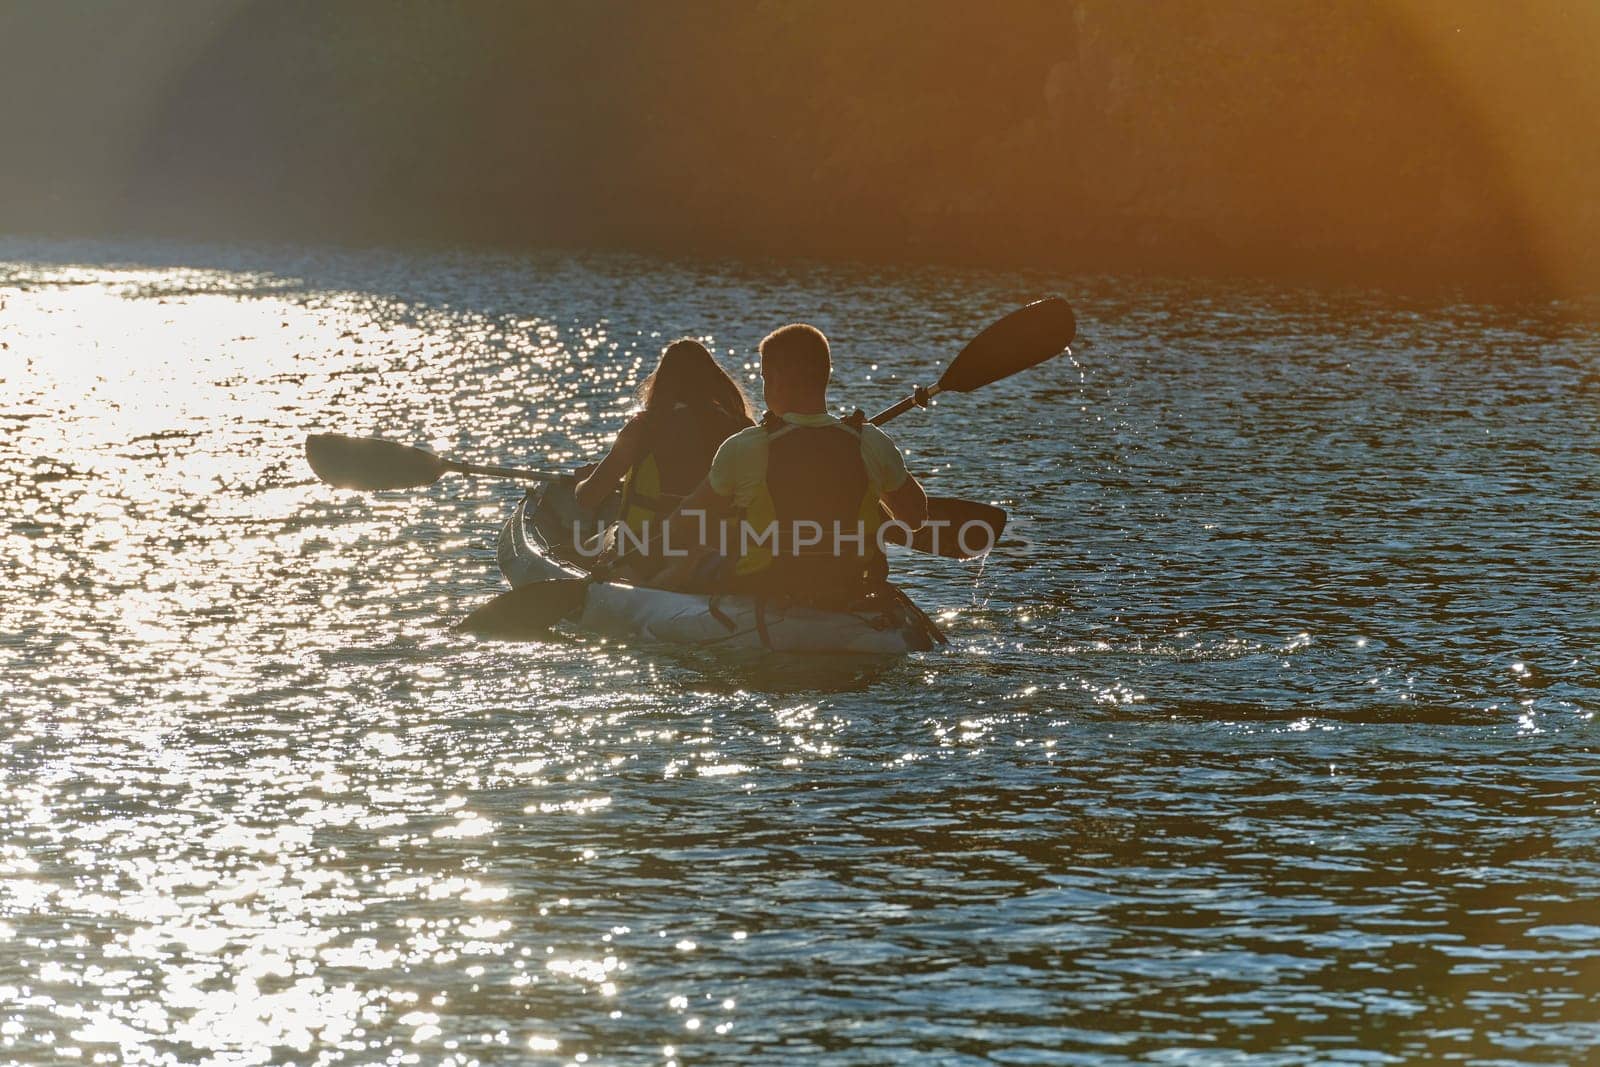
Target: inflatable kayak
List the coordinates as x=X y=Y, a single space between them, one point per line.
x=536 y=544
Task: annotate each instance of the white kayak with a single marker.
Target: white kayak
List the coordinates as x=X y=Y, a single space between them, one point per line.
x=535 y=546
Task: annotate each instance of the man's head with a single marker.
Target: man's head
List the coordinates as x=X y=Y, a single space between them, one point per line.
x=795 y=366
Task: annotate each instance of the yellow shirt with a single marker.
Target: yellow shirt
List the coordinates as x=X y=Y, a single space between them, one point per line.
x=741 y=463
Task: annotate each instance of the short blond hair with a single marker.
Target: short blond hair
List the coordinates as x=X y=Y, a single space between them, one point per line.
x=799 y=353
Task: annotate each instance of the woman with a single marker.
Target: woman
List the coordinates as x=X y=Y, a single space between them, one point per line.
x=691 y=405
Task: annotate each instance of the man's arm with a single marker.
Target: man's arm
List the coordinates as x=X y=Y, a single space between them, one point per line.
x=687 y=530
x=689 y=526
x=887 y=467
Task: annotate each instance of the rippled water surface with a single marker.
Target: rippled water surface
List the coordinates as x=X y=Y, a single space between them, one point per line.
x=1272 y=739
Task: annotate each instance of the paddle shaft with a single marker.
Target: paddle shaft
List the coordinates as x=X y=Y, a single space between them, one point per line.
x=919 y=398
x=500 y=472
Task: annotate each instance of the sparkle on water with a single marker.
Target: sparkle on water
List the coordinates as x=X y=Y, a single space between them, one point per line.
x=1274 y=735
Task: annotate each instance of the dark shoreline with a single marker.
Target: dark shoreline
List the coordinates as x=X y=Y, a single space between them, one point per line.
x=1416 y=146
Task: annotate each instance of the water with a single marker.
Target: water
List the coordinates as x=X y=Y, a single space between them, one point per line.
x=1274 y=741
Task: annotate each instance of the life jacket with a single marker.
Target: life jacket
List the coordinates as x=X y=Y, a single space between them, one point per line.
x=815 y=489
x=679 y=444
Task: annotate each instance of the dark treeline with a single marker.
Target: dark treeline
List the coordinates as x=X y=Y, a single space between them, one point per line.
x=1396 y=141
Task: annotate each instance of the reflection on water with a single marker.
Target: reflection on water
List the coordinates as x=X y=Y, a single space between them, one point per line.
x=1278 y=738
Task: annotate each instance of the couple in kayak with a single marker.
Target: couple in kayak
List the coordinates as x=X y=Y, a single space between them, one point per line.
x=790 y=506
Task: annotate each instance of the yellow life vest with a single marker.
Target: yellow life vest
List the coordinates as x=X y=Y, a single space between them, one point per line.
x=675 y=456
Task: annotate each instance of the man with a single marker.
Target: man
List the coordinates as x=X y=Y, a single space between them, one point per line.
x=808 y=490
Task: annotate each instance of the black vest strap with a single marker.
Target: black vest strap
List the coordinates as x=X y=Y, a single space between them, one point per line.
x=761 y=622
x=716 y=612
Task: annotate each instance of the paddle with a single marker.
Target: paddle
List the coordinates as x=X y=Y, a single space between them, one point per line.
x=373 y=463
x=529 y=609
x=1025 y=338
x=955 y=529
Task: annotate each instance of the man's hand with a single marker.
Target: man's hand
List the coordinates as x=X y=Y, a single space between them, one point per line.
x=909 y=503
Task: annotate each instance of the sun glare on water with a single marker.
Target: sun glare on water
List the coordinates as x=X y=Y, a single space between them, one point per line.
x=154 y=418
x=1288 y=687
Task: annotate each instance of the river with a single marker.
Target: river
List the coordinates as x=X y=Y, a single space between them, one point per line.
x=1269 y=737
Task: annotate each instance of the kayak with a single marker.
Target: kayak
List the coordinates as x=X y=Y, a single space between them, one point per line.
x=536 y=544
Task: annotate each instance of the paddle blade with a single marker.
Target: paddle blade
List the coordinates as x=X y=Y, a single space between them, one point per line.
x=530 y=610
x=1023 y=339
x=370 y=463
x=956 y=529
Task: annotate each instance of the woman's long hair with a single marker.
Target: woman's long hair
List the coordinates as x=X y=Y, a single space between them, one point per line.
x=689 y=374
